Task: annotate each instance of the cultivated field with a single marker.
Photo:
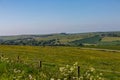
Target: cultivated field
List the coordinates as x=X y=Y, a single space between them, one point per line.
x=107 y=62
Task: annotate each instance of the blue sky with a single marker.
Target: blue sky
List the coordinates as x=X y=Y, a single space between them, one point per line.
x=56 y=16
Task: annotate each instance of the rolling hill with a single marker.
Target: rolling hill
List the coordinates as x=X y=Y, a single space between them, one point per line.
x=76 y=39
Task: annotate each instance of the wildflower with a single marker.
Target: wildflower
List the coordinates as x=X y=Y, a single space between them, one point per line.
x=81 y=77
x=66 y=74
x=88 y=75
x=99 y=78
x=30 y=77
x=52 y=79
x=14 y=71
x=19 y=76
x=91 y=77
x=18 y=71
x=44 y=75
x=14 y=77
x=69 y=72
x=61 y=69
x=6 y=58
x=72 y=68
x=65 y=78
x=92 y=69
x=76 y=63
x=67 y=66
x=101 y=74
x=7 y=61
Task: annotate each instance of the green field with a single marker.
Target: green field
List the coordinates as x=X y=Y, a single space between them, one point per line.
x=107 y=62
x=109 y=39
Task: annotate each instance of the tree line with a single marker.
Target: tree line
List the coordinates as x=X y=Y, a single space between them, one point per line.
x=32 y=42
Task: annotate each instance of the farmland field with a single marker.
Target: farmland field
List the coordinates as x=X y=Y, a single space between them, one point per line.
x=107 y=62
x=109 y=39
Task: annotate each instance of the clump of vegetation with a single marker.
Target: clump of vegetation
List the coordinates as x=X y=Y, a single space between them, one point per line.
x=69 y=73
x=15 y=70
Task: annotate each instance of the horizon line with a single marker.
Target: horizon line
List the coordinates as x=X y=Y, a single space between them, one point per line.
x=27 y=34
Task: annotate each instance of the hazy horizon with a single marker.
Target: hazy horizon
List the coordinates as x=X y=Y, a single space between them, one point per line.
x=18 y=17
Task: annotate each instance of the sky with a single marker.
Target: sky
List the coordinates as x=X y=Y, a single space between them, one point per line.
x=19 y=17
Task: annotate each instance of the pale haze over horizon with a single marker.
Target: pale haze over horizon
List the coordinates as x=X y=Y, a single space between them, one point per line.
x=56 y=16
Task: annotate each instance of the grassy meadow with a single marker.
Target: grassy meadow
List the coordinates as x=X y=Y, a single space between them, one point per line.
x=107 y=62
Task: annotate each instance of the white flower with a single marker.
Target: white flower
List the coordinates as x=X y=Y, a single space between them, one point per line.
x=76 y=63
x=92 y=69
x=101 y=74
x=61 y=69
x=15 y=71
x=65 y=78
x=91 y=77
x=67 y=66
x=97 y=76
x=30 y=77
x=18 y=71
x=81 y=77
x=88 y=75
x=52 y=79
x=72 y=69
x=100 y=78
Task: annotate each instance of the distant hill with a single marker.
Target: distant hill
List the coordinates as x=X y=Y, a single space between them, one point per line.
x=76 y=39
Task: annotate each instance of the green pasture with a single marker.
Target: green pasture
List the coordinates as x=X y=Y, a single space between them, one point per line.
x=107 y=62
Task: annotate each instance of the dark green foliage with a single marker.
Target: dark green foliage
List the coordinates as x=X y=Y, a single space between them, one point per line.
x=90 y=40
x=32 y=42
x=110 y=34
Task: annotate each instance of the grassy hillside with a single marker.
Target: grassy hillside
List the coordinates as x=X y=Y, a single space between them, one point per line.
x=105 y=61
